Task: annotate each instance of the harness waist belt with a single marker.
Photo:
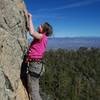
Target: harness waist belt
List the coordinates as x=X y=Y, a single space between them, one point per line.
x=35 y=60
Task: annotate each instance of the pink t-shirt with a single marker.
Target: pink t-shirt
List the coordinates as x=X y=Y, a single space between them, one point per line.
x=37 y=48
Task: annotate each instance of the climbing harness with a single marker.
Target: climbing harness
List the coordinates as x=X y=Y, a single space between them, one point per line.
x=33 y=73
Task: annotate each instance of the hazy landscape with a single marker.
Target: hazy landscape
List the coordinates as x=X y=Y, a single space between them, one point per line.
x=73 y=43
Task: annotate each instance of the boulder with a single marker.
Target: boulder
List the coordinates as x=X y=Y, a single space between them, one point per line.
x=13 y=39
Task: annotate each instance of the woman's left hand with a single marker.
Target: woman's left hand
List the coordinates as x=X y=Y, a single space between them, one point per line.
x=29 y=15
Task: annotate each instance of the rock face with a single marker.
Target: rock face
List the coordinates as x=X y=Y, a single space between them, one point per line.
x=13 y=28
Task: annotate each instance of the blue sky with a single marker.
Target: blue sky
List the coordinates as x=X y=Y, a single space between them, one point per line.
x=69 y=18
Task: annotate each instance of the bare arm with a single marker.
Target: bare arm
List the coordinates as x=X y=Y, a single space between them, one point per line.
x=31 y=29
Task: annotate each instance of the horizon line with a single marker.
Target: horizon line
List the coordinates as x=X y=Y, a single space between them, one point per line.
x=76 y=37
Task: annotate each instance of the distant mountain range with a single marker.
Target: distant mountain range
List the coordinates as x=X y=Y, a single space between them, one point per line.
x=73 y=43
